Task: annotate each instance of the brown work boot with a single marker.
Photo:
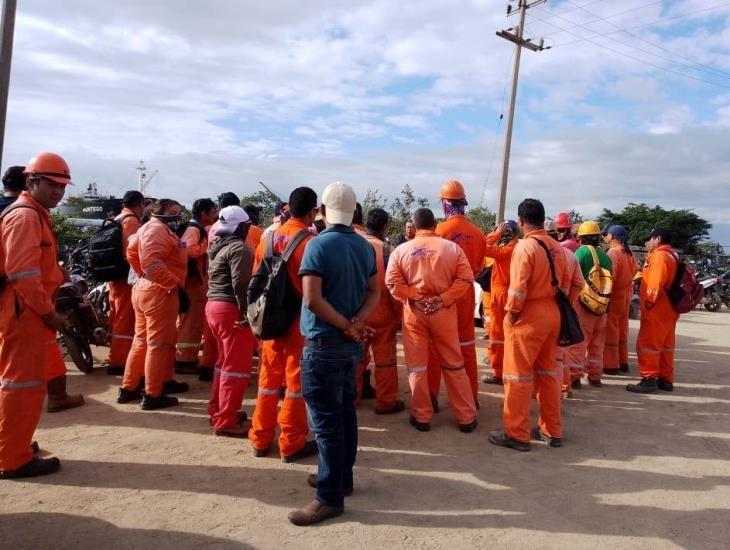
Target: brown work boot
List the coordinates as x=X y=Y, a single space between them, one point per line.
x=58 y=399
x=315 y=512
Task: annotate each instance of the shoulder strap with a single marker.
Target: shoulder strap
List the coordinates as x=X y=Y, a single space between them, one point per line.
x=200 y=227
x=550 y=261
x=596 y=260
x=15 y=206
x=293 y=244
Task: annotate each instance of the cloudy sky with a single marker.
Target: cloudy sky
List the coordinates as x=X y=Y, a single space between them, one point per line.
x=632 y=103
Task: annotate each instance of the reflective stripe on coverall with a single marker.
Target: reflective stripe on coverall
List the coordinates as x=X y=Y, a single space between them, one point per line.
x=655 y=342
x=159 y=259
x=32 y=278
x=499 y=285
x=531 y=343
x=470 y=239
x=279 y=363
x=566 y=356
x=121 y=316
x=190 y=325
x=623 y=270
x=431 y=266
x=386 y=320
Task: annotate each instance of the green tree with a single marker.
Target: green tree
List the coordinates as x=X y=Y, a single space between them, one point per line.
x=267 y=201
x=373 y=199
x=69 y=236
x=483 y=218
x=401 y=210
x=686 y=227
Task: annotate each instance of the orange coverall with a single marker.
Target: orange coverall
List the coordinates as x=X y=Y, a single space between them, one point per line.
x=655 y=343
x=190 y=325
x=531 y=343
x=279 y=363
x=470 y=238
x=500 y=284
x=386 y=320
x=254 y=237
x=567 y=356
x=121 y=316
x=431 y=266
x=624 y=268
x=159 y=259
x=29 y=264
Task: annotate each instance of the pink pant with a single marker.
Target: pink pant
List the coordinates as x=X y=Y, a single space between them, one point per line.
x=233 y=367
x=588 y=355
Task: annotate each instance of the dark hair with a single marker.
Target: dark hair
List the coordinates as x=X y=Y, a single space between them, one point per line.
x=14 y=179
x=228 y=199
x=357 y=216
x=132 y=199
x=423 y=218
x=201 y=206
x=161 y=205
x=302 y=201
x=592 y=240
x=532 y=212
x=254 y=213
x=377 y=219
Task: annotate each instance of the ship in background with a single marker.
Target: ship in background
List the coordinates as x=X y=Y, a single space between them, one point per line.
x=91 y=208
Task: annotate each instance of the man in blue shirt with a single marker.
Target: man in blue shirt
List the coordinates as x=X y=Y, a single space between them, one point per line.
x=13 y=186
x=339 y=277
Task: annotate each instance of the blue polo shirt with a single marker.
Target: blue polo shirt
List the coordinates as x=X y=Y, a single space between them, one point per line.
x=345 y=261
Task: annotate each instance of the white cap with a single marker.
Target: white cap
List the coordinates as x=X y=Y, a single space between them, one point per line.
x=229 y=219
x=340 y=203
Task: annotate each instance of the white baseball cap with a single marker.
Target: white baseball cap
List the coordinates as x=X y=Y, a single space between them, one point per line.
x=229 y=219
x=340 y=202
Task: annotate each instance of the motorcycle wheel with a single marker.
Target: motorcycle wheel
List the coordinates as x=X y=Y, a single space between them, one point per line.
x=78 y=350
x=713 y=305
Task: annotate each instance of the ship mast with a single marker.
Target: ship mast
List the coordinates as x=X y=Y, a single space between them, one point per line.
x=144 y=181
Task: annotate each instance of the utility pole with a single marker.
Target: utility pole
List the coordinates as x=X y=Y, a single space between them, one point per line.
x=7 y=32
x=516 y=35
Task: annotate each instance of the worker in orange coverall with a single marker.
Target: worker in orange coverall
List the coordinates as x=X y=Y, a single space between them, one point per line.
x=159 y=259
x=623 y=269
x=500 y=244
x=655 y=342
x=531 y=331
x=470 y=238
x=121 y=317
x=575 y=275
x=29 y=278
x=386 y=320
x=429 y=275
x=280 y=357
x=190 y=324
x=254 y=231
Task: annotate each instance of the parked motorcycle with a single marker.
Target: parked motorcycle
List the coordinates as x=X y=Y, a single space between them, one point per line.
x=711 y=283
x=86 y=321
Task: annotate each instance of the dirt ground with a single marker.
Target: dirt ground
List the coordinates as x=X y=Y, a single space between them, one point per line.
x=635 y=472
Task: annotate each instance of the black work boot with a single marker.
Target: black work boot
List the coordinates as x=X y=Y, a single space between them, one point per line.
x=501 y=439
x=173 y=386
x=612 y=372
x=162 y=401
x=205 y=374
x=420 y=426
x=539 y=435
x=468 y=428
x=186 y=367
x=35 y=467
x=595 y=383
x=492 y=379
x=576 y=384
x=435 y=403
x=623 y=367
x=127 y=396
x=367 y=390
x=664 y=384
x=647 y=385
x=310 y=449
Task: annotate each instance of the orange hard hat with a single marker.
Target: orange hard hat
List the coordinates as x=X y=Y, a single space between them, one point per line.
x=452 y=190
x=562 y=220
x=50 y=166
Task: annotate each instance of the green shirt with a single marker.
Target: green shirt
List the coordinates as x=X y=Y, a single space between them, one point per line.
x=585 y=259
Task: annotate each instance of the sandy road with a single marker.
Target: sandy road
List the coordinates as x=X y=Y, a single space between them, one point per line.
x=635 y=472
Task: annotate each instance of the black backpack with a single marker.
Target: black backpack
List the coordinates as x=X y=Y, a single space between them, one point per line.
x=106 y=257
x=273 y=302
x=192 y=262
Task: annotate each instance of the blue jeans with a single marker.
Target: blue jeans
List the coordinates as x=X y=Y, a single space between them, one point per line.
x=328 y=387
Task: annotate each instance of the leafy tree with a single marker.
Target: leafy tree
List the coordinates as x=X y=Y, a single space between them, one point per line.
x=266 y=200
x=483 y=218
x=373 y=199
x=69 y=236
x=77 y=201
x=575 y=217
x=686 y=227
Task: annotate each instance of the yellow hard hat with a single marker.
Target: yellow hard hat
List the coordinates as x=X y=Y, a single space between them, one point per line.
x=588 y=228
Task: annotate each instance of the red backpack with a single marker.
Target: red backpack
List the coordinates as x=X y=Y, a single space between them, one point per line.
x=686 y=291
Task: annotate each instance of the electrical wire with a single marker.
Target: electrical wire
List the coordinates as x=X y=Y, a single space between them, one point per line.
x=607 y=17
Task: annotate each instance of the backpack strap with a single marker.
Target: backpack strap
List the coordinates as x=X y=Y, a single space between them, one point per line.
x=554 y=281
x=596 y=260
x=15 y=206
x=293 y=244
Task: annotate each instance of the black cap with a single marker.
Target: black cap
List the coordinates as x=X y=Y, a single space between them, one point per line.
x=660 y=232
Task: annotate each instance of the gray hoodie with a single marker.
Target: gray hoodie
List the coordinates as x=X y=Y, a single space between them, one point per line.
x=231 y=263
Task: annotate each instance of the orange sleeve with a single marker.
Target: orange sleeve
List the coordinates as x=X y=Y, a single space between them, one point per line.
x=132 y=254
x=463 y=279
x=156 y=249
x=657 y=276
x=130 y=226
x=520 y=270
x=492 y=239
x=196 y=246
x=22 y=239
x=499 y=252
x=260 y=252
x=396 y=282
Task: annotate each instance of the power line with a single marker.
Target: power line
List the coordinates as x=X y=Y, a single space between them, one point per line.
x=571 y=10
x=607 y=17
x=649 y=24
x=647 y=52
x=654 y=44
